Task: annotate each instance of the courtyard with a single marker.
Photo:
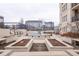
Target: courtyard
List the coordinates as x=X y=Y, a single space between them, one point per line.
x=38 y=45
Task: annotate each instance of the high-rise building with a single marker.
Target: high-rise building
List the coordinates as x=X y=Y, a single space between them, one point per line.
x=22 y=21
x=21 y=24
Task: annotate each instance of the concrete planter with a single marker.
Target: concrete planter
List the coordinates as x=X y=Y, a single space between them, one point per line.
x=51 y=47
x=20 y=48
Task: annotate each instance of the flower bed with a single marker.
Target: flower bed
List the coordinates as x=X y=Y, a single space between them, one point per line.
x=22 y=42
x=22 y=45
x=54 y=42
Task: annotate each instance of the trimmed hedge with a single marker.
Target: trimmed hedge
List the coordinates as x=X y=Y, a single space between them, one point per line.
x=70 y=34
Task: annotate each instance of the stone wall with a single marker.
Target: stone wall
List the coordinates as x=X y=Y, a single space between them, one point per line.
x=4 y=32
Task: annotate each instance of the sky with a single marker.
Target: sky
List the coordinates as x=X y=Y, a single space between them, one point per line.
x=13 y=12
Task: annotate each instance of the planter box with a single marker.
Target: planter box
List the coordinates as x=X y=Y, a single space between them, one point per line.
x=57 y=47
x=20 y=48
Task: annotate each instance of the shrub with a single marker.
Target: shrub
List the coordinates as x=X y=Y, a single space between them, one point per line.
x=70 y=34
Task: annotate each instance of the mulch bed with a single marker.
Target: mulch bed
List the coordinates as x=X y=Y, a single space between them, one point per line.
x=54 y=42
x=23 y=42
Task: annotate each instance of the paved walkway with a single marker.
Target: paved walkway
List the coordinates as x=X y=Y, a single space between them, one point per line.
x=48 y=53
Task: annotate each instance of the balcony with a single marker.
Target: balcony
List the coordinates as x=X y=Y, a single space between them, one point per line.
x=75 y=6
x=75 y=18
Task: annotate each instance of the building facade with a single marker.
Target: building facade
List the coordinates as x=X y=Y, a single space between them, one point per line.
x=69 y=17
x=48 y=26
x=69 y=22
x=39 y=25
x=34 y=25
x=1 y=22
x=21 y=24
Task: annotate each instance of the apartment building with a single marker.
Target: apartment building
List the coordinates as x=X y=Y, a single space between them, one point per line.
x=69 y=17
x=69 y=21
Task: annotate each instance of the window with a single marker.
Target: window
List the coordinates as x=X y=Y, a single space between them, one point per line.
x=64 y=18
x=64 y=7
x=65 y=29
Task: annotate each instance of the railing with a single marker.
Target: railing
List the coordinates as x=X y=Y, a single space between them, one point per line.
x=74 y=4
x=75 y=18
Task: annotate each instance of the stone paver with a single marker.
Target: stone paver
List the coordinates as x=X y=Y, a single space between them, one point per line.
x=49 y=53
x=30 y=54
x=59 y=53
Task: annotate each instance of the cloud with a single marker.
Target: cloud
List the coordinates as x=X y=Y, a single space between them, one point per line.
x=14 y=12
